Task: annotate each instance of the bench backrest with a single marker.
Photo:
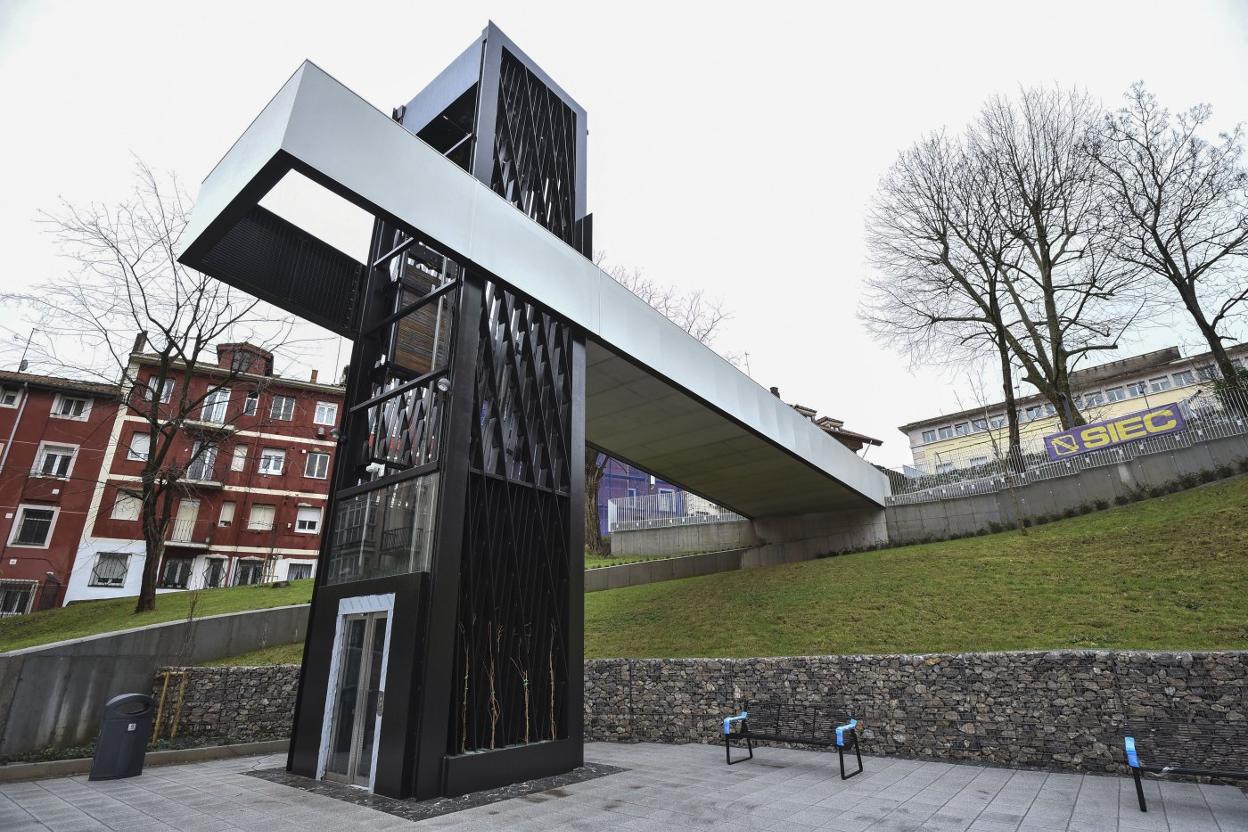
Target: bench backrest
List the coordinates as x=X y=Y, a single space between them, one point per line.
x=808 y=722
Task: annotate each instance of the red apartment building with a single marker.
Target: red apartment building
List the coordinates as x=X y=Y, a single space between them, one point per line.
x=53 y=437
x=257 y=459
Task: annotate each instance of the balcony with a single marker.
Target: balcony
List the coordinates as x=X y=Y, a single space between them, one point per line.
x=182 y=534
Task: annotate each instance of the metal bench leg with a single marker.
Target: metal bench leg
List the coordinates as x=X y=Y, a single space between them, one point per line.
x=840 y=753
x=1139 y=789
x=749 y=746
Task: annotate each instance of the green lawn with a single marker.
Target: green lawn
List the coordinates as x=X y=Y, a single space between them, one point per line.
x=595 y=562
x=1170 y=572
x=278 y=654
x=91 y=617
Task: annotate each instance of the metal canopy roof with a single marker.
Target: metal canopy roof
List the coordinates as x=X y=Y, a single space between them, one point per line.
x=655 y=396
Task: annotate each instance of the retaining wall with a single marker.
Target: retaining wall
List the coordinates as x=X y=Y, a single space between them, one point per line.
x=1063 y=710
x=244 y=703
x=672 y=540
x=52 y=695
x=957 y=517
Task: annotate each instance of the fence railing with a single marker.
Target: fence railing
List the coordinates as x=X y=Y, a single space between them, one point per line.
x=1208 y=415
x=667 y=508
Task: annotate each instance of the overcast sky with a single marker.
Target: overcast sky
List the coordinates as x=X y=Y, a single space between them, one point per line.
x=732 y=148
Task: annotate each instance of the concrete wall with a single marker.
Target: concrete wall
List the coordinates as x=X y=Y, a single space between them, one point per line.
x=969 y=515
x=668 y=569
x=52 y=695
x=675 y=540
x=1065 y=710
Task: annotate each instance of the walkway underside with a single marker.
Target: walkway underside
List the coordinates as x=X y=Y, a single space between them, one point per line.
x=655 y=396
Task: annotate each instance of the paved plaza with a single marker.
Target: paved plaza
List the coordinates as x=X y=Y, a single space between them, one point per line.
x=664 y=787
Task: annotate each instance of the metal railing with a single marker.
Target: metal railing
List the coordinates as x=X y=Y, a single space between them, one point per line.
x=182 y=531
x=985 y=469
x=668 y=508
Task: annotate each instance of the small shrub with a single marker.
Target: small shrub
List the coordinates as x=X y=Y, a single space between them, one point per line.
x=1189 y=481
x=1243 y=465
x=1207 y=475
x=1223 y=471
x=1100 y=504
x=1157 y=491
x=1122 y=499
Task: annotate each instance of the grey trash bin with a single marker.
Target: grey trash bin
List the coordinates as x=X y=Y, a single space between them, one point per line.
x=124 y=729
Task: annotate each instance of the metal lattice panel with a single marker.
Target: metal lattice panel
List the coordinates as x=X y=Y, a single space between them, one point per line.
x=535 y=150
x=511 y=646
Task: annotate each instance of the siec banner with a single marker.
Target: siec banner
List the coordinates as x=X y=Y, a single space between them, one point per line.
x=1156 y=421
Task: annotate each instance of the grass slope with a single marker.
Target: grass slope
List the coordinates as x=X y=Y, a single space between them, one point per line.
x=92 y=617
x=1170 y=572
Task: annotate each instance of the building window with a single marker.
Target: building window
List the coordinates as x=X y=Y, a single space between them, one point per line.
x=252 y=403
x=71 y=407
x=946 y=432
x=961 y=429
x=110 y=569
x=632 y=493
x=16 y=597
x=214 y=573
x=215 y=404
x=175 y=573
x=929 y=436
x=283 y=408
x=166 y=389
x=1050 y=410
x=326 y=413
x=238 y=461
x=227 y=514
x=317 y=466
x=1208 y=372
x=1184 y=378
x=1034 y=412
x=261 y=518
x=271 y=460
x=944 y=467
x=33 y=526
x=203 y=460
x=1093 y=399
x=997 y=421
x=55 y=460
x=979 y=460
x=1115 y=394
x=10 y=396
x=140 y=447
x=299 y=571
x=248 y=572
x=1136 y=389
x=979 y=424
x=127 y=506
x=308 y=520
x=1159 y=384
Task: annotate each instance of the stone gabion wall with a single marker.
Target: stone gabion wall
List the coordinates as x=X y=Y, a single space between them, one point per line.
x=243 y=703
x=1062 y=710
x=1054 y=710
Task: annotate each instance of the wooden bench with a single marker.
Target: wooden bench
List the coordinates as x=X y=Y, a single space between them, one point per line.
x=1190 y=749
x=798 y=724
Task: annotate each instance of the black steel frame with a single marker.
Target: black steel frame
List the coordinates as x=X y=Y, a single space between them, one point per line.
x=509 y=528
x=743 y=732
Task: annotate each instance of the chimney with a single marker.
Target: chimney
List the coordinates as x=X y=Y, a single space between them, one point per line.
x=775 y=391
x=314 y=376
x=140 y=341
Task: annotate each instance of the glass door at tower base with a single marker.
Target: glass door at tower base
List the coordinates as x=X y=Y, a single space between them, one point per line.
x=358 y=699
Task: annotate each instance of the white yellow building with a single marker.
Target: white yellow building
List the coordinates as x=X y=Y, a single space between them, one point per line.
x=977 y=435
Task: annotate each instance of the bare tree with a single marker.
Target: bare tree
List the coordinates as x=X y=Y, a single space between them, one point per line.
x=939 y=257
x=127 y=279
x=1182 y=205
x=1068 y=294
x=693 y=312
